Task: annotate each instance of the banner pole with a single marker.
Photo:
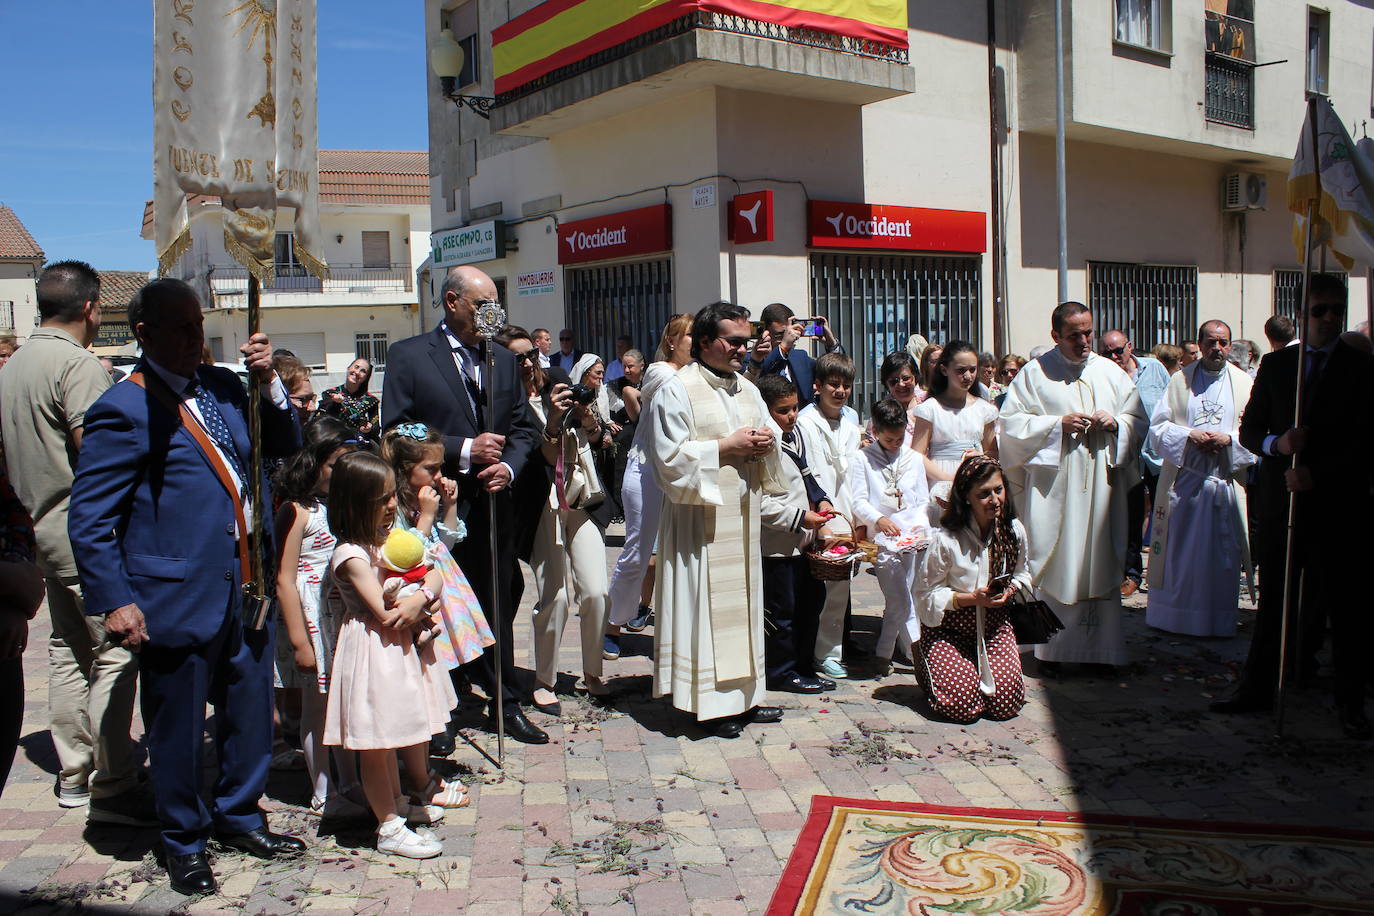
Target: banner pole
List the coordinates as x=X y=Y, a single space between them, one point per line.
x=1291 y=588
x=255 y=597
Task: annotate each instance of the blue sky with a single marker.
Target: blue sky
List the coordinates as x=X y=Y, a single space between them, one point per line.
x=76 y=126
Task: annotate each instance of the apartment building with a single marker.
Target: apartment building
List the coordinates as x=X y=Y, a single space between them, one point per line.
x=889 y=165
x=375 y=219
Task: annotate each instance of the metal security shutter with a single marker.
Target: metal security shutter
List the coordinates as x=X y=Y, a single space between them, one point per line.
x=376 y=249
x=309 y=348
x=875 y=302
x=1288 y=287
x=1152 y=304
x=605 y=301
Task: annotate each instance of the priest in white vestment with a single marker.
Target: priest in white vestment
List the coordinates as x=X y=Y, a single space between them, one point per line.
x=1072 y=425
x=714 y=455
x=1199 y=542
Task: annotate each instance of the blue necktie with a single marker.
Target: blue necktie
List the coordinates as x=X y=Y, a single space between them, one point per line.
x=213 y=421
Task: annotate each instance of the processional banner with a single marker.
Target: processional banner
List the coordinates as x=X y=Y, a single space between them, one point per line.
x=234 y=117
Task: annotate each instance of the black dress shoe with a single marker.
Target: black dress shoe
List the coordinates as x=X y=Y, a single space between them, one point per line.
x=1242 y=703
x=728 y=727
x=763 y=715
x=1050 y=669
x=441 y=745
x=262 y=843
x=191 y=874
x=1354 y=722
x=826 y=683
x=797 y=683
x=521 y=728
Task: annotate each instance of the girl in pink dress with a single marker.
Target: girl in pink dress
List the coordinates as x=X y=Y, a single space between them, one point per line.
x=387 y=696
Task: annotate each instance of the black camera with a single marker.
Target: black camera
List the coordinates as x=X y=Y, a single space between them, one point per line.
x=582 y=394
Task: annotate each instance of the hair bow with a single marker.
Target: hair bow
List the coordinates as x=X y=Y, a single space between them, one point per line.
x=413 y=431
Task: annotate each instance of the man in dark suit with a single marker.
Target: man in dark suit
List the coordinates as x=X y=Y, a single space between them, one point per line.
x=778 y=353
x=1332 y=541
x=156 y=522
x=439 y=379
x=568 y=354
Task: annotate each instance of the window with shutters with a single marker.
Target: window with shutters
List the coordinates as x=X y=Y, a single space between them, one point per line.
x=371 y=346
x=1288 y=290
x=6 y=315
x=874 y=303
x=1150 y=303
x=308 y=348
x=376 y=249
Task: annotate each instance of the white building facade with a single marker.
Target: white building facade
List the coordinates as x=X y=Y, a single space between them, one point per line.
x=709 y=149
x=21 y=261
x=375 y=219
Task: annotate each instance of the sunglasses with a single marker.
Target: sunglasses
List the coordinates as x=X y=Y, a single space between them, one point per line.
x=528 y=356
x=735 y=343
x=1321 y=310
x=1113 y=351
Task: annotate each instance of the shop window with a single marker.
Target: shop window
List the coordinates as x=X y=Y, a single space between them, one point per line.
x=1145 y=24
x=371 y=346
x=1150 y=303
x=875 y=302
x=1288 y=290
x=605 y=301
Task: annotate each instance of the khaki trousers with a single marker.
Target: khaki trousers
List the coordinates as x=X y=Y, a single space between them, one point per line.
x=573 y=572
x=91 y=687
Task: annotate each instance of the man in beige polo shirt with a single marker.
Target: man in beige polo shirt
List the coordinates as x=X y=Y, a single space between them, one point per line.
x=45 y=389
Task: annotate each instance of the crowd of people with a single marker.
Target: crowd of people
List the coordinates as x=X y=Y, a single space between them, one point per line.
x=1000 y=502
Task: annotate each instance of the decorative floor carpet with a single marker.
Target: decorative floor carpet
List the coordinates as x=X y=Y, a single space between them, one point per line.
x=878 y=858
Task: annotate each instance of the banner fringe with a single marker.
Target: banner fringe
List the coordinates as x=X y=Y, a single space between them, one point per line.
x=265 y=272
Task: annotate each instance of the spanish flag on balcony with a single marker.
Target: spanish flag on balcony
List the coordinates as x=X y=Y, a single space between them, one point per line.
x=1338 y=176
x=558 y=33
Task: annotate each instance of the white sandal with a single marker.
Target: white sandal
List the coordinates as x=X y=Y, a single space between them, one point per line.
x=446 y=794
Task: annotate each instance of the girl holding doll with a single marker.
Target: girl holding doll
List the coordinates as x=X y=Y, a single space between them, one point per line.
x=427 y=504
x=387 y=695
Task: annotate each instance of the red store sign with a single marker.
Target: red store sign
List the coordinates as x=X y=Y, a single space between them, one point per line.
x=751 y=218
x=616 y=235
x=850 y=225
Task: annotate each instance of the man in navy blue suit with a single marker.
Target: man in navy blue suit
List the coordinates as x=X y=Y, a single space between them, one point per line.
x=777 y=352
x=440 y=379
x=157 y=512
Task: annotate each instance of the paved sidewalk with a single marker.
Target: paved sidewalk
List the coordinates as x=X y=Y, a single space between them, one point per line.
x=630 y=810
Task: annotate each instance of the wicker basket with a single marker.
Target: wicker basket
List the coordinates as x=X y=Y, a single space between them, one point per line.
x=835 y=569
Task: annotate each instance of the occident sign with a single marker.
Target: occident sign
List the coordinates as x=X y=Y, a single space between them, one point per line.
x=469 y=244
x=616 y=235
x=858 y=225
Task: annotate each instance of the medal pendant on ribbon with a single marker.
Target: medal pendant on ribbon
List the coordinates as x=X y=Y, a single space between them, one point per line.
x=490 y=319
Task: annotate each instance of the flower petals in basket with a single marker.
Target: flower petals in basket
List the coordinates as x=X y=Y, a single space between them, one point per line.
x=840 y=558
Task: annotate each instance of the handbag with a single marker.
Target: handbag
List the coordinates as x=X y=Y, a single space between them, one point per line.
x=1032 y=620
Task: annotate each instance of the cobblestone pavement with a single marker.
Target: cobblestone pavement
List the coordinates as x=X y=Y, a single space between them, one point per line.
x=630 y=810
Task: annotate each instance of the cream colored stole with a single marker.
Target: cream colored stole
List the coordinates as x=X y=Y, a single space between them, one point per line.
x=728 y=570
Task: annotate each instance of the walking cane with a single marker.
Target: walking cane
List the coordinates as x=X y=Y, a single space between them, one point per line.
x=490 y=319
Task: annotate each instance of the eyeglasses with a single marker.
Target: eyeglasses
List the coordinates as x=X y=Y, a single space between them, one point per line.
x=565 y=340
x=735 y=343
x=1321 y=310
x=1113 y=351
x=304 y=400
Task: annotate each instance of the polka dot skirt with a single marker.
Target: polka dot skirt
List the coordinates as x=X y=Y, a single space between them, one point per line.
x=948 y=668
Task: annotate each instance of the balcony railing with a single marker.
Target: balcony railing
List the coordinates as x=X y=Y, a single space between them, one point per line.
x=231 y=281
x=1230 y=91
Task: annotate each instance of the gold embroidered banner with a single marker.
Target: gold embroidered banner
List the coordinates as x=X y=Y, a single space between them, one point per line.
x=234 y=117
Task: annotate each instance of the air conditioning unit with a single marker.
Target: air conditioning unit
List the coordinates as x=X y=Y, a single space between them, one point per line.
x=1244 y=191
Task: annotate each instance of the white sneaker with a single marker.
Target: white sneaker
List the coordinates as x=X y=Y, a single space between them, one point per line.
x=832 y=668
x=400 y=840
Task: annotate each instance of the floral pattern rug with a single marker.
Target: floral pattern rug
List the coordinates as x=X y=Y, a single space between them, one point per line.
x=878 y=858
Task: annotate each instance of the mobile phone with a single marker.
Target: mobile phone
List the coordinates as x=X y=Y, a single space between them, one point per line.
x=815 y=327
x=999 y=585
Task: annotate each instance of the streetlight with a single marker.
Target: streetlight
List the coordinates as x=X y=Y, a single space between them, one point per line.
x=446 y=60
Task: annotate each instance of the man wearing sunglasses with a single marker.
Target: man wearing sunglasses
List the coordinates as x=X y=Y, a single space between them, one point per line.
x=1151 y=379
x=440 y=379
x=714 y=456
x=1332 y=480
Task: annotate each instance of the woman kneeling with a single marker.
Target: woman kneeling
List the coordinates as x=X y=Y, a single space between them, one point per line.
x=968 y=663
